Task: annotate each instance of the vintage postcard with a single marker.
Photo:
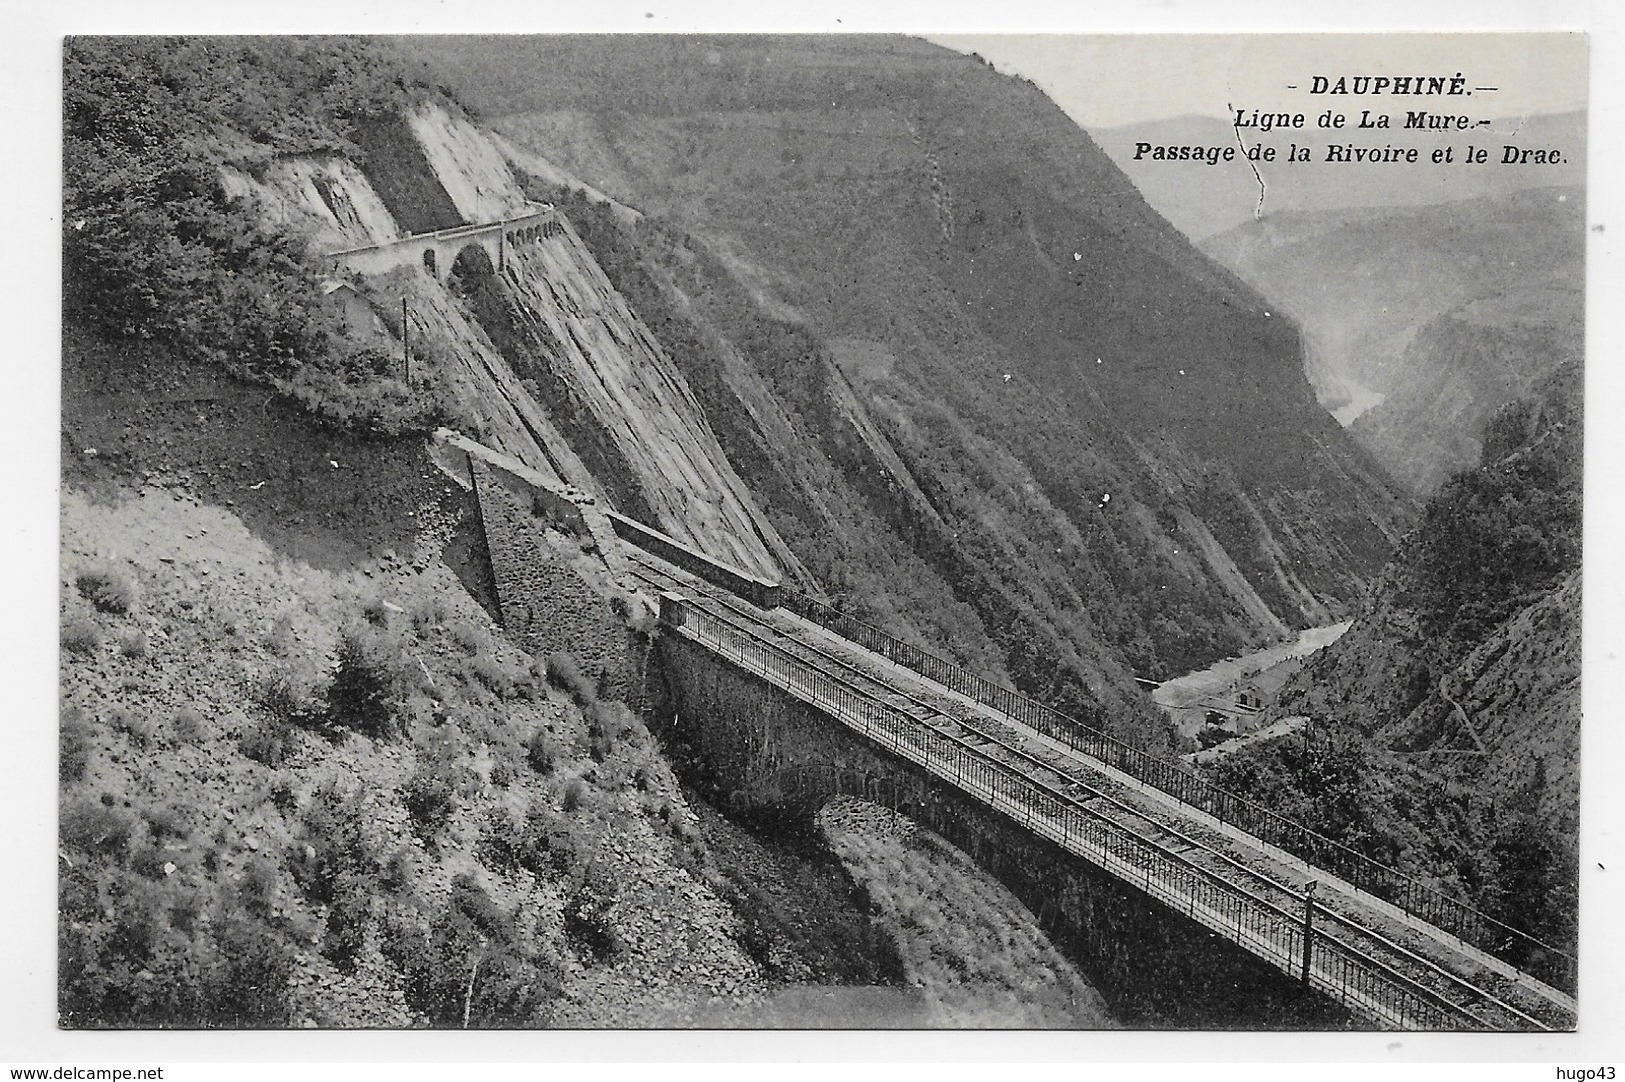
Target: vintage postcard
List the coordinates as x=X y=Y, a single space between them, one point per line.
x=822 y=531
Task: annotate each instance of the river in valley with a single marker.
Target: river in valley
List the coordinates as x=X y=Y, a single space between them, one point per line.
x=1238 y=688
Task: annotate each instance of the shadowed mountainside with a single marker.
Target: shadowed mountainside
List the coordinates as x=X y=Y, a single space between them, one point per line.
x=1447 y=719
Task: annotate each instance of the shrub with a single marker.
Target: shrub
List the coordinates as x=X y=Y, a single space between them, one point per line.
x=187 y=725
x=269 y=743
x=283 y=797
x=589 y=916
x=279 y=639
x=346 y=930
x=429 y=611
x=146 y=861
x=602 y=729
x=257 y=890
x=166 y=822
x=398 y=872
x=335 y=868
x=133 y=644
x=330 y=855
x=73 y=747
x=431 y=801
x=474 y=969
x=502 y=775
x=91 y=827
x=547 y=843
x=382 y=407
x=470 y=899
x=493 y=674
x=470 y=637
x=246 y=981
x=375 y=612
x=611 y=725
x=286 y=696
x=565 y=674
x=107 y=587
x=575 y=795
x=137 y=728
x=80 y=635
x=542 y=752
x=363 y=695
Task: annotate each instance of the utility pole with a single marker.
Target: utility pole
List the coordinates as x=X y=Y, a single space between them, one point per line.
x=1308 y=925
x=406 y=343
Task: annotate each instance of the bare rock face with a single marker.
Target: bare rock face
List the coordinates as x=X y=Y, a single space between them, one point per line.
x=469 y=166
x=611 y=364
x=608 y=383
x=329 y=198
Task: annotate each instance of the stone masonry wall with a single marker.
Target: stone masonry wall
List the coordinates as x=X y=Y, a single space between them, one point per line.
x=553 y=588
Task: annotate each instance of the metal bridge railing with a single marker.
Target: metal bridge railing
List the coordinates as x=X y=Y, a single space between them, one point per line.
x=1539 y=959
x=1363 y=983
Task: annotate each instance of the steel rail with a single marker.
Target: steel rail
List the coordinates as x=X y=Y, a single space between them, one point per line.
x=1281 y=949
x=1274 y=882
x=1412 y=896
x=1480 y=996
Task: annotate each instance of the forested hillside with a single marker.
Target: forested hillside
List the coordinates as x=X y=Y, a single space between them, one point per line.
x=154 y=248
x=1445 y=723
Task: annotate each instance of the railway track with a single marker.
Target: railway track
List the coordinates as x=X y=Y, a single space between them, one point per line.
x=1142 y=825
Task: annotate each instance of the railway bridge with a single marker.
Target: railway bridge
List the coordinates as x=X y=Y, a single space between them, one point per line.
x=1153 y=879
x=437 y=251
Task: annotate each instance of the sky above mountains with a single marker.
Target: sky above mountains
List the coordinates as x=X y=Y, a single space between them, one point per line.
x=1112 y=80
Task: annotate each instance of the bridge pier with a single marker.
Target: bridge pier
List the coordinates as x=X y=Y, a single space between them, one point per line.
x=763 y=752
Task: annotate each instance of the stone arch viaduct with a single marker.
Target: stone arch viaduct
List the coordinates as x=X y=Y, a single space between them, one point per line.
x=436 y=252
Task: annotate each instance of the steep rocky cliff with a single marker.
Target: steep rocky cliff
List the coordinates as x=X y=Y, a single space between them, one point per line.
x=1444 y=727
x=1459 y=369
x=1470 y=643
x=545 y=358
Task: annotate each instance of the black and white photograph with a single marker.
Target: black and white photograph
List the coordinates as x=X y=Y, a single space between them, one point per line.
x=821 y=531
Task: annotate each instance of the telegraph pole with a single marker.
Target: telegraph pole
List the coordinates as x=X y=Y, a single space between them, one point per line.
x=406 y=343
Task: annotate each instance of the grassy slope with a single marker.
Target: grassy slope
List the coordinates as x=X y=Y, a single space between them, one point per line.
x=976 y=955
x=227 y=598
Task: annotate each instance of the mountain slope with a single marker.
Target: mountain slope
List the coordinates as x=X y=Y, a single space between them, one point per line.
x=1460 y=681
x=1423 y=321
x=1008 y=385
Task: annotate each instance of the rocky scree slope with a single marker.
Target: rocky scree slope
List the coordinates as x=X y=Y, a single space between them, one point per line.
x=305 y=781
